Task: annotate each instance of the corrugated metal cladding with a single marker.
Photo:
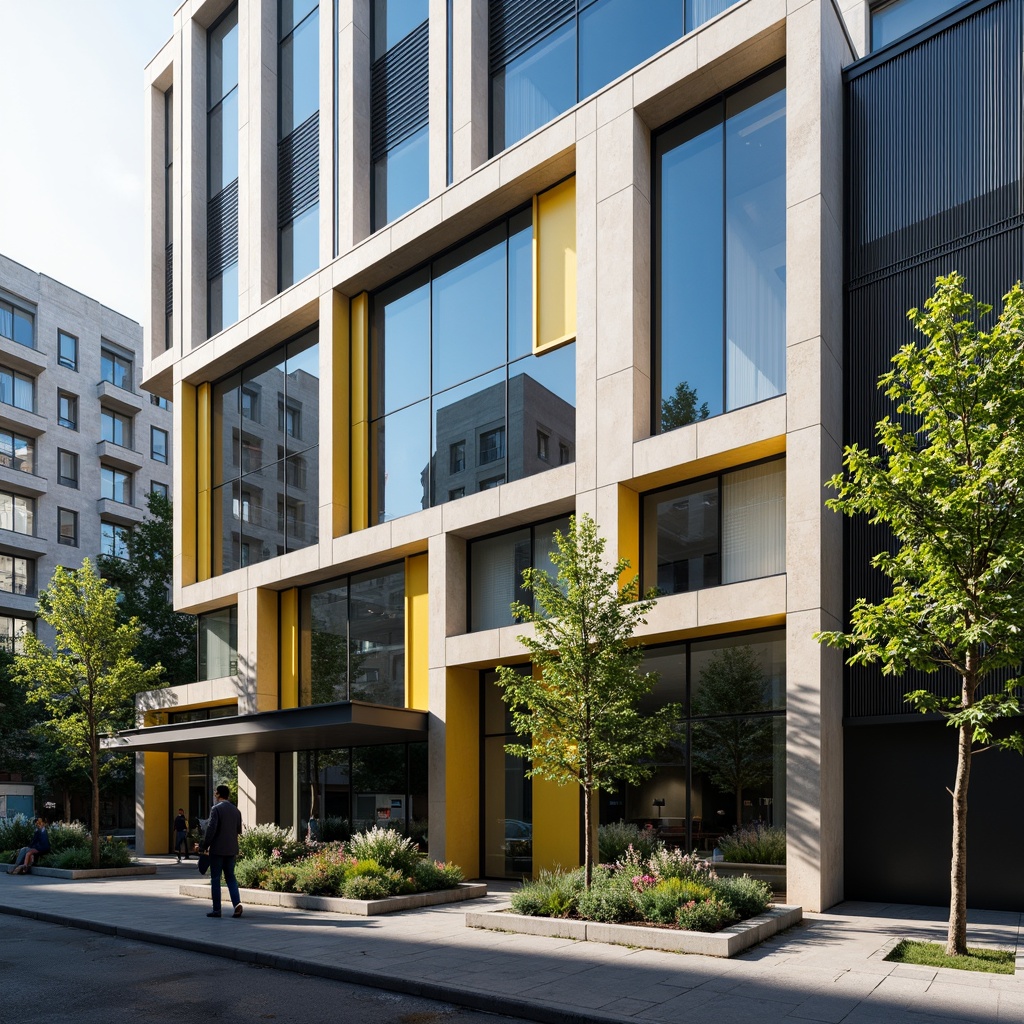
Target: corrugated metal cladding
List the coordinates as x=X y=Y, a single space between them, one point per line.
x=298 y=170
x=222 y=230
x=169 y=280
x=399 y=90
x=515 y=25
x=934 y=184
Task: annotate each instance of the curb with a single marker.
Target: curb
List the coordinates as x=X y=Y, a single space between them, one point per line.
x=488 y=1002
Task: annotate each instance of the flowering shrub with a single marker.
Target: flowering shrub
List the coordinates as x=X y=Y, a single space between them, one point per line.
x=756 y=844
x=615 y=838
x=386 y=846
x=704 y=916
x=673 y=863
x=553 y=894
x=263 y=840
x=70 y=844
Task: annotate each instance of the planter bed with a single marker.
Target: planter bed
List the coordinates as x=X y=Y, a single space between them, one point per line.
x=727 y=942
x=338 y=905
x=131 y=870
x=773 y=874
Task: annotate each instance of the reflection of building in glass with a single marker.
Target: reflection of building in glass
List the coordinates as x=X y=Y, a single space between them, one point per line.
x=474 y=447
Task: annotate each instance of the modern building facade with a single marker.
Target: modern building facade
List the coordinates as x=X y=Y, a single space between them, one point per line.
x=430 y=277
x=81 y=445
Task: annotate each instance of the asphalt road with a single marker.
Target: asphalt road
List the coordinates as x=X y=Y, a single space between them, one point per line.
x=55 y=974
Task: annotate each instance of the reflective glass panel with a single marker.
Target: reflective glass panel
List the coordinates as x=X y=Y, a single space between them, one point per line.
x=227 y=533
x=739 y=675
x=402 y=344
x=377 y=636
x=323 y=678
x=299 y=75
x=401 y=443
x=291 y=12
x=300 y=246
x=496 y=580
x=681 y=538
x=544 y=545
x=401 y=178
x=223 y=299
x=535 y=87
x=614 y=39
x=218 y=643
x=302 y=387
x=463 y=415
x=223 y=56
x=699 y=11
x=263 y=514
x=468 y=309
x=891 y=21
x=520 y=285
x=223 y=153
x=393 y=20
x=542 y=399
x=755 y=232
x=689 y=286
x=24 y=328
x=225 y=428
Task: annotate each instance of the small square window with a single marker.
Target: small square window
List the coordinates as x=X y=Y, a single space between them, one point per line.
x=67 y=527
x=67 y=350
x=564 y=454
x=158 y=444
x=457 y=457
x=160 y=403
x=67 y=410
x=456 y=492
x=491 y=481
x=155 y=487
x=492 y=445
x=67 y=468
x=543 y=440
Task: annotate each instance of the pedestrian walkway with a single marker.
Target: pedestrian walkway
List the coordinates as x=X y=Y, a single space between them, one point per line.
x=830 y=968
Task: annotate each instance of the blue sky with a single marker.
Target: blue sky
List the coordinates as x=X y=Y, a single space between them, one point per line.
x=71 y=145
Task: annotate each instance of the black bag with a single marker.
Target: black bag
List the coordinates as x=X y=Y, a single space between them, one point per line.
x=204 y=863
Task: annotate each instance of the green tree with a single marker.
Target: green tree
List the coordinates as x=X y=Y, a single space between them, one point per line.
x=145 y=579
x=735 y=753
x=87 y=683
x=948 y=482
x=681 y=408
x=581 y=712
x=18 y=744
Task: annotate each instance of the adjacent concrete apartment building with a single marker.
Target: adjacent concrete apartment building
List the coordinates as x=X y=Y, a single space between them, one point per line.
x=430 y=276
x=81 y=445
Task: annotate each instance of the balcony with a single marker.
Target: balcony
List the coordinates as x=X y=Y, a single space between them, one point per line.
x=14 y=543
x=116 y=455
x=19 y=482
x=15 y=356
x=20 y=421
x=119 y=399
x=23 y=605
x=119 y=512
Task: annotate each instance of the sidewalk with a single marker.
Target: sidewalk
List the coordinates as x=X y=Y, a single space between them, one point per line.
x=830 y=968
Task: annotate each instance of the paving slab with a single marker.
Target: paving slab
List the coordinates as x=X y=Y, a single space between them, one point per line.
x=828 y=969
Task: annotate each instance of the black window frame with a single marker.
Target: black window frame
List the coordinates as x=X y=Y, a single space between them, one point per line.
x=62 y=360
x=156 y=454
x=62 y=477
x=69 y=422
x=62 y=512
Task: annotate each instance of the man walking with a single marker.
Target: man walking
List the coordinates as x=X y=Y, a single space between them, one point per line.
x=221 y=842
x=181 y=834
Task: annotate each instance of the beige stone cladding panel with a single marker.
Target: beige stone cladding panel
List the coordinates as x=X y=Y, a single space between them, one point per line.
x=256 y=787
x=437 y=99
x=586 y=301
x=353 y=123
x=470 y=85
x=328 y=119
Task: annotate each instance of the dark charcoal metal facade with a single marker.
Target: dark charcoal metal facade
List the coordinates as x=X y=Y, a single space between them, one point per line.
x=934 y=151
x=399 y=92
x=298 y=170
x=222 y=230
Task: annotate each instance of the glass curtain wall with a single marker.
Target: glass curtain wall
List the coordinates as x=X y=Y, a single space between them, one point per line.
x=458 y=399
x=352 y=639
x=496 y=567
x=266 y=432
x=222 y=172
x=399 y=87
x=720 y=253
x=729 y=766
x=508 y=794
x=298 y=83
x=546 y=58
x=720 y=529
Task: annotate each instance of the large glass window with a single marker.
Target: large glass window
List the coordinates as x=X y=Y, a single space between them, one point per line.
x=67 y=527
x=13 y=631
x=720 y=529
x=457 y=395
x=67 y=410
x=265 y=455
x=17 y=575
x=400 y=131
x=116 y=485
x=17 y=324
x=496 y=567
x=116 y=427
x=67 y=468
x=17 y=513
x=298 y=83
x=728 y=767
x=222 y=172
x=159 y=447
x=353 y=639
x=18 y=390
x=218 y=644
x=67 y=350
x=890 y=21
x=114 y=540
x=17 y=452
x=720 y=252
x=545 y=60
x=116 y=368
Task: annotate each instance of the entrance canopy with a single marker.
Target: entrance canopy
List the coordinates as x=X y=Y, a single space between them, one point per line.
x=347 y=724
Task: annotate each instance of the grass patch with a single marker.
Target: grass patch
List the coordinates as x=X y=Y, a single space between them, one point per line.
x=933 y=954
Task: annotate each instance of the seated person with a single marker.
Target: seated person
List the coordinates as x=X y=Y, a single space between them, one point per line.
x=27 y=854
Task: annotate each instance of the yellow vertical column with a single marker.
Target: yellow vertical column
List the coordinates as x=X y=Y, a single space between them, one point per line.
x=155 y=806
x=204 y=481
x=554 y=266
x=267 y=651
x=335 y=315
x=186 y=484
x=629 y=531
x=359 y=312
x=417 y=615
x=462 y=769
x=289 y=643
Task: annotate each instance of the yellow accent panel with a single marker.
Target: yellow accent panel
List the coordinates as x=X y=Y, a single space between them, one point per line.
x=554 y=266
x=340 y=337
x=186 y=497
x=359 y=309
x=290 y=648
x=629 y=532
x=204 y=545
x=417 y=614
x=267 y=651
x=155 y=810
x=556 y=826
x=462 y=769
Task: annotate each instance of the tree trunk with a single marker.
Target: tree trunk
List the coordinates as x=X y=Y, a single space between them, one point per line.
x=588 y=857
x=956 y=941
x=94 y=758
x=739 y=807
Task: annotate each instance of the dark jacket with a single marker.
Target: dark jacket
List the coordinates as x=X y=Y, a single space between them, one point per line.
x=180 y=825
x=40 y=841
x=223 y=830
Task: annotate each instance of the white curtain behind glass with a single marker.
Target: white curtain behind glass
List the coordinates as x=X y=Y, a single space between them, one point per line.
x=494 y=579
x=754 y=522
